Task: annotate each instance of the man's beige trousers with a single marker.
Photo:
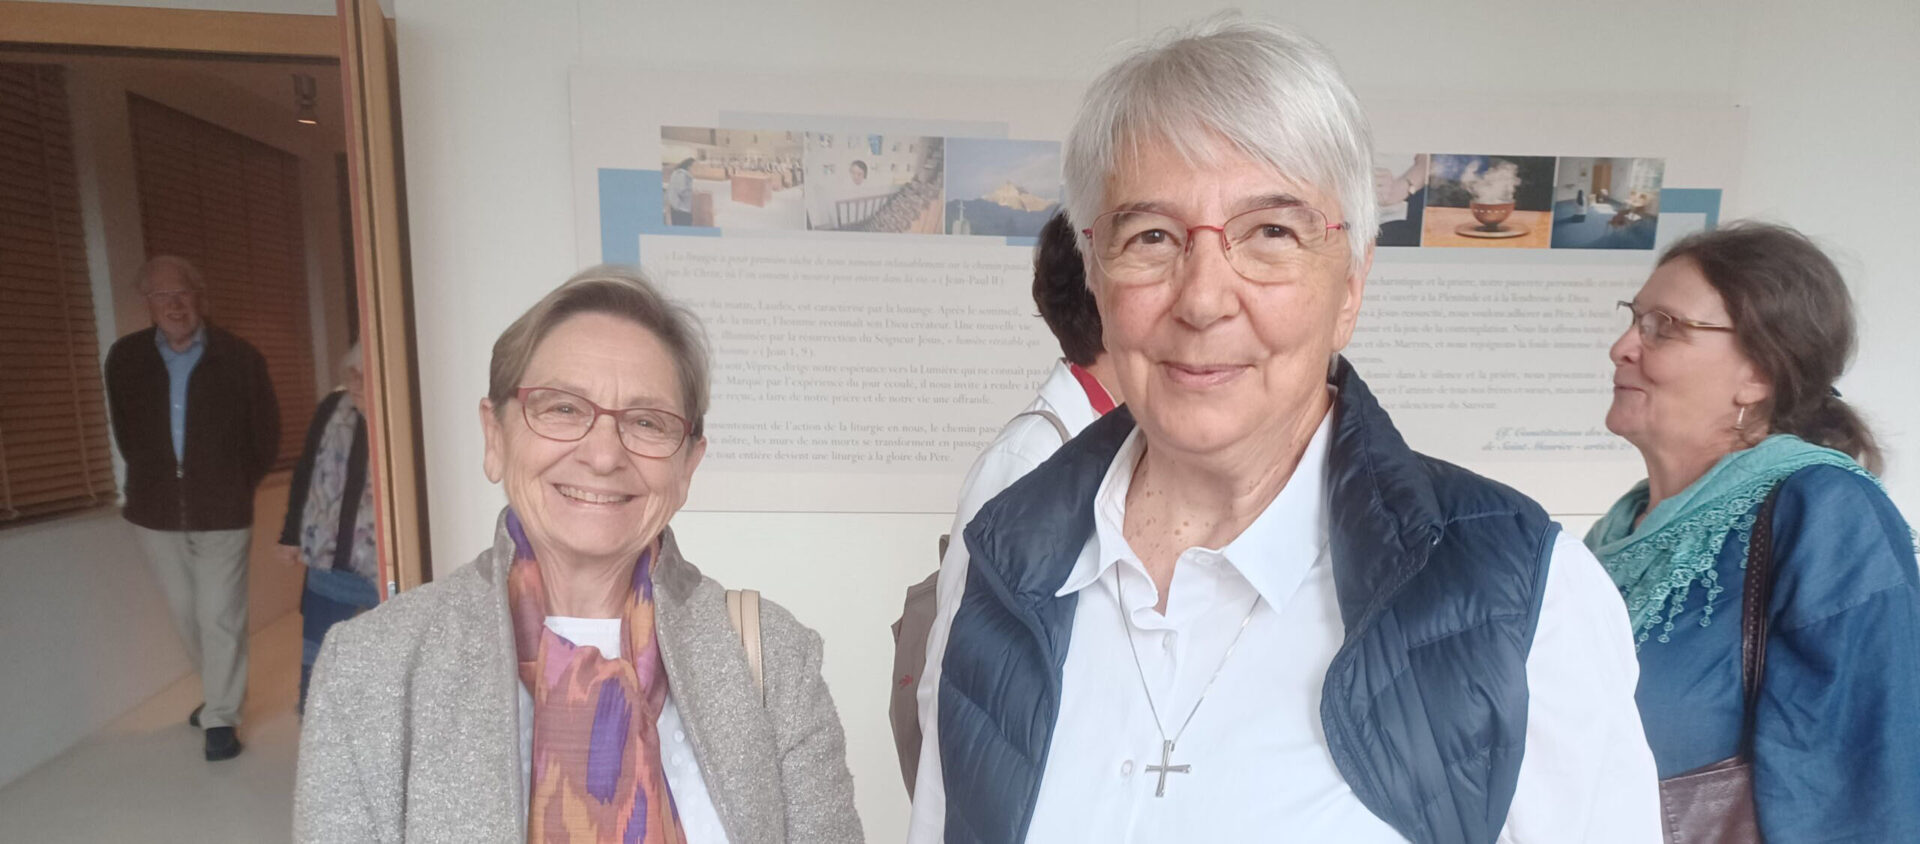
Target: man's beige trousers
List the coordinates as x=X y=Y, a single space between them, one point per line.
x=204 y=576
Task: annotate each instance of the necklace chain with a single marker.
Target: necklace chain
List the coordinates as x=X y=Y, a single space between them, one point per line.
x=1127 y=627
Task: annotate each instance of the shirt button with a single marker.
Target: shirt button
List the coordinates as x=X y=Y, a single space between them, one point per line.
x=1167 y=644
x=679 y=760
x=679 y=735
x=1126 y=768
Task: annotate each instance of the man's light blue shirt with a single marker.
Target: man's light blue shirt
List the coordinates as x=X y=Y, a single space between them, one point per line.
x=179 y=370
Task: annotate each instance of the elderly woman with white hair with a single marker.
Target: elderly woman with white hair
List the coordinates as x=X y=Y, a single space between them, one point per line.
x=1241 y=608
x=580 y=680
x=329 y=523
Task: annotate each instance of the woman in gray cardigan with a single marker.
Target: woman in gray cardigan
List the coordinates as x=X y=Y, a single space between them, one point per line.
x=579 y=681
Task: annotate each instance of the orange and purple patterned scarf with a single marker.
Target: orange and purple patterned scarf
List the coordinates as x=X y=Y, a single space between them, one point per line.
x=596 y=745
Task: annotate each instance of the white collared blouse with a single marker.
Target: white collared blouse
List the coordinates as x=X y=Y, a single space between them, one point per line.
x=1258 y=764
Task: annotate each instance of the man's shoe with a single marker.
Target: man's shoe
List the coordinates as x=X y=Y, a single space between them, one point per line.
x=194 y=719
x=222 y=744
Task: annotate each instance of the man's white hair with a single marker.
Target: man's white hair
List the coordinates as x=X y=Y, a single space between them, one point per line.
x=189 y=274
x=1258 y=88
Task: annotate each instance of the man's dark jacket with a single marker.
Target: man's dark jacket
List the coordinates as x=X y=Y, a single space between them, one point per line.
x=233 y=432
x=1438 y=573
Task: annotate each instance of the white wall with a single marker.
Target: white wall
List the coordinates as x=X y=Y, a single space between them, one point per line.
x=1832 y=118
x=84 y=635
x=84 y=631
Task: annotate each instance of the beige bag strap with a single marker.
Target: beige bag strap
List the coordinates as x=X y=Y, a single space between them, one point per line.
x=743 y=612
x=1052 y=418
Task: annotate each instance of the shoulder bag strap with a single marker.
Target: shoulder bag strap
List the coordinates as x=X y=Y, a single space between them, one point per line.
x=1756 y=601
x=1052 y=418
x=743 y=611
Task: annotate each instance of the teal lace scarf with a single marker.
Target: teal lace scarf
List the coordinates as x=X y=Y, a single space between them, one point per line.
x=1659 y=565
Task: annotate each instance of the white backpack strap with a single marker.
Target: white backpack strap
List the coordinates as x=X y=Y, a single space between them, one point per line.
x=1052 y=418
x=743 y=612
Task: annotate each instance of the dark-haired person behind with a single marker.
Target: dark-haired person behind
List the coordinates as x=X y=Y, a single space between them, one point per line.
x=1724 y=382
x=1080 y=389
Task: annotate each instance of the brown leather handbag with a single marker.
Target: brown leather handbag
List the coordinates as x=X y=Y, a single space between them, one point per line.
x=1714 y=804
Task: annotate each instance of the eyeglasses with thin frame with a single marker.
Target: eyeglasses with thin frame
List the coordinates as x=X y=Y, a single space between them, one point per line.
x=1269 y=245
x=168 y=297
x=565 y=417
x=1657 y=326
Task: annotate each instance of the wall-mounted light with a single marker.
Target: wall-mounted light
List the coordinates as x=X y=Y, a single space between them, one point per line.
x=303 y=98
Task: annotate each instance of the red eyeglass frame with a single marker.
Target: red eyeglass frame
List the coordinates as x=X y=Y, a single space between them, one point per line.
x=1219 y=229
x=686 y=428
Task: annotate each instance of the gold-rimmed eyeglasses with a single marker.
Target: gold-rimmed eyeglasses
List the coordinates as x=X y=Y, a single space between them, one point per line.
x=1657 y=326
x=565 y=417
x=1269 y=245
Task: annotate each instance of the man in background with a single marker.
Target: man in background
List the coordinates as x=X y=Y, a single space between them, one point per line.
x=1080 y=389
x=195 y=418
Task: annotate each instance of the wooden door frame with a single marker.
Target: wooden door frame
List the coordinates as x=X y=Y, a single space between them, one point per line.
x=386 y=328
x=368 y=68
x=142 y=28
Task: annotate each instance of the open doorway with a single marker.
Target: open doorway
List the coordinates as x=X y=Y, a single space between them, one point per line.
x=204 y=158
x=223 y=139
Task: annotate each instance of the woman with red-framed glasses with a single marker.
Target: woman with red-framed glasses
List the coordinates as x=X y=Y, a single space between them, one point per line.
x=1239 y=608
x=580 y=680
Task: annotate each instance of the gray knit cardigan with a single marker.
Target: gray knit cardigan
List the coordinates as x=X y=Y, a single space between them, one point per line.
x=412 y=725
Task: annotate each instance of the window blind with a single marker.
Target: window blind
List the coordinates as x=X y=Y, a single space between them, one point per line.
x=54 y=455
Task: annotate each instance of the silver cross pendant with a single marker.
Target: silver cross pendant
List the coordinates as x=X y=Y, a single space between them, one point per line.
x=1166 y=767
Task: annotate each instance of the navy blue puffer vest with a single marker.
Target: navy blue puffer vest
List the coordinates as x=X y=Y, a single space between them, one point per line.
x=1438 y=573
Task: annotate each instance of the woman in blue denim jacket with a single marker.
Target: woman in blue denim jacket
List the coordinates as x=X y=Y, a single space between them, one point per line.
x=1724 y=382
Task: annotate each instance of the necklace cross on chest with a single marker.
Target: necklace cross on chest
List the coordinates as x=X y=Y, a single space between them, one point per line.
x=1166 y=767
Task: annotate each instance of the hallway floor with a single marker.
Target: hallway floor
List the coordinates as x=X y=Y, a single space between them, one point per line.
x=143 y=779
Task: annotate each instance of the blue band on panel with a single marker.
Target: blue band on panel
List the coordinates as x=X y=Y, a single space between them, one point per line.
x=632 y=204
x=1023 y=241
x=1692 y=201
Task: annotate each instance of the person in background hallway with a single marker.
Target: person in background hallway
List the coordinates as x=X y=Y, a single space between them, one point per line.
x=1080 y=389
x=580 y=680
x=195 y=418
x=680 y=194
x=329 y=524
x=1724 y=380
x=1240 y=608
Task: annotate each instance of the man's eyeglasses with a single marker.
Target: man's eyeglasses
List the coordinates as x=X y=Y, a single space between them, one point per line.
x=162 y=298
x=1266 y=245
x=564 y=417
x=1657 y=326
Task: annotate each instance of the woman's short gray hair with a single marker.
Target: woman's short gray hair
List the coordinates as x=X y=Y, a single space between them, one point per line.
x=616 y=291
x=1269 y=93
